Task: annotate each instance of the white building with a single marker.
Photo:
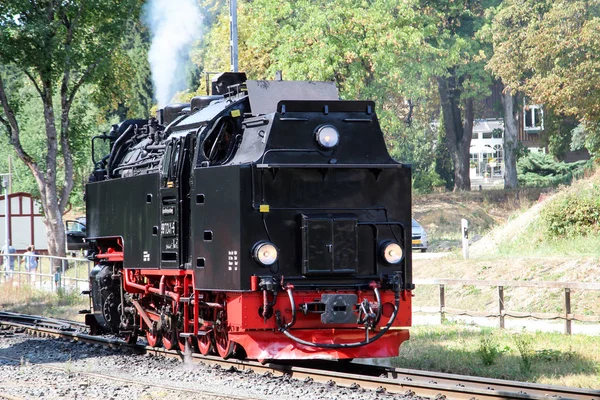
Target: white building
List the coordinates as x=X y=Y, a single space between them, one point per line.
x=25 y=225
x=486 y=152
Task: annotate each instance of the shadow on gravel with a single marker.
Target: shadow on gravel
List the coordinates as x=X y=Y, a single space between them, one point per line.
x=44 y=350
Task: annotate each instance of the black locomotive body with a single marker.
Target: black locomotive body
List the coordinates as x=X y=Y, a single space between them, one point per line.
x=267 y=219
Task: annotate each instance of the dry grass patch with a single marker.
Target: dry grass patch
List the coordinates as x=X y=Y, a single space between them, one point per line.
x=27 y=300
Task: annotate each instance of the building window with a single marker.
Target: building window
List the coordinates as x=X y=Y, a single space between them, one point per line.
x=474 y=162
x=533 y=117
x=487 y=135
x=499 y=156
x=498 y=153
x=475 y=135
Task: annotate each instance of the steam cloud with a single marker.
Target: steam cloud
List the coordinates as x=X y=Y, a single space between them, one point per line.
x=174 y=26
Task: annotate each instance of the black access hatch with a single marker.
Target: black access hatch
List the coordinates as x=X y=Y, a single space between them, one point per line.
x=329 y=244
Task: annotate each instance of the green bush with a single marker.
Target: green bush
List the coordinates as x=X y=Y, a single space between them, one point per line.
x=573 y=213
x=488 y=350
x=541 y=170
x=524 y=344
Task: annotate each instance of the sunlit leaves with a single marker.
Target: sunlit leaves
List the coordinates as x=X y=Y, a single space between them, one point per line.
x=550 y=50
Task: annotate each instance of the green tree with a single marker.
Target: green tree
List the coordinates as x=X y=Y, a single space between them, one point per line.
x=459 y=72
x=550 y=51
x=58 y=47
x=124 y=89
x=373 y=50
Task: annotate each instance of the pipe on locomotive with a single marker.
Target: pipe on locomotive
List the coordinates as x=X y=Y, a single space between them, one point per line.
x=285 y=329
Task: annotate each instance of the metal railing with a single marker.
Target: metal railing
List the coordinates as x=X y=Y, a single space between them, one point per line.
x=52 y=273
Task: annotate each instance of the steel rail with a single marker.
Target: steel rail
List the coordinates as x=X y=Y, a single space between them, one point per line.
x=393 y=380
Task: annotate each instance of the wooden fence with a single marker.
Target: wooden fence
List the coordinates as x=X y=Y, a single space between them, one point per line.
x=502 y=313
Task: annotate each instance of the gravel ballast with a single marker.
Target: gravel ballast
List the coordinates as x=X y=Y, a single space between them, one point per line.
x=129 y=376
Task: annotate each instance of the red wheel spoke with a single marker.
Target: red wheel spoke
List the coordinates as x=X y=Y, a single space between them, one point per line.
x=205 y=345
x=170 y=341
x=153 y=340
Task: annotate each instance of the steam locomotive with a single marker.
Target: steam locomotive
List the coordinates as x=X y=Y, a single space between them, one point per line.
x=266 y=220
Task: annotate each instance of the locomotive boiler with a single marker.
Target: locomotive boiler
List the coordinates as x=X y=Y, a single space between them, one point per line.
x=266 y=220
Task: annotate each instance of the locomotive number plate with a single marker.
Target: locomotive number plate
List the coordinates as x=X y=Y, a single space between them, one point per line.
x=168 y=210
x=168 y=228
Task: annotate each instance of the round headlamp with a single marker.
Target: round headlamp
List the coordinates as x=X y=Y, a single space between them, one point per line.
x=265 y=253
x=392 y=252
x=327 y=136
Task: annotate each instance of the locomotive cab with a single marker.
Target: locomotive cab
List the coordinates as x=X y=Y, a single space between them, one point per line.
x=267 y=218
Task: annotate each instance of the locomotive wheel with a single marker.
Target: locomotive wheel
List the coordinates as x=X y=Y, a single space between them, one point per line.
x=169 y=340
x=224 y=346
x=182 y=343
x=170 y=337
x=205 y=344
x=131 y=338
x=153 y=340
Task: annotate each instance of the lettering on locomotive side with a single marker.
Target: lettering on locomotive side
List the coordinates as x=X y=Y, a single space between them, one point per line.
x=232 y=260
x=172 y=244
x=146 y=255
x=168 y=228
x=169 y=210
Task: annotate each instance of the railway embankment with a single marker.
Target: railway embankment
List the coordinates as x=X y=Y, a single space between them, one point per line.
x=533 y=266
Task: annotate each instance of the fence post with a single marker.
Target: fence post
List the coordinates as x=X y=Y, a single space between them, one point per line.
x=442 y=304
x=501 y=306
x=568 y=316
x=19 y=269
x=64 y=278
x=464 y=230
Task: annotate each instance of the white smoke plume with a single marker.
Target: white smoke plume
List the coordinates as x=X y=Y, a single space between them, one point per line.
x=174 y=25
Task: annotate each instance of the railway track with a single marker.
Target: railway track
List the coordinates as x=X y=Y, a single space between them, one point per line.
x=378 y=378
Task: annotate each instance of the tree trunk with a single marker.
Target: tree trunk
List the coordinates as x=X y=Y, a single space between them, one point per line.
x=46 y=180
x=511 y=132
x=49 y=190
x=458 y=136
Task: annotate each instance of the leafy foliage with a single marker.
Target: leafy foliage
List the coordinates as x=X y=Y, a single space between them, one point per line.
x=53 y=50
x=550 y=50
x=541 y=170
x=489 y=349
x=418 y=147
x=574 y=213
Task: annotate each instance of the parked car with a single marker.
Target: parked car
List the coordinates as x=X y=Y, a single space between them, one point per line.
x=75 y=231
x=419 y=237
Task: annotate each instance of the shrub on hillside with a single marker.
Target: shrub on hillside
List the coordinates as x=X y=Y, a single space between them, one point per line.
x=541 y=170
x=573 y=213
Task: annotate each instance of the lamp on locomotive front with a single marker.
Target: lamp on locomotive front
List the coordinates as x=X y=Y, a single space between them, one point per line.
x=327 y=136
x=265 y=253
x=392 y=252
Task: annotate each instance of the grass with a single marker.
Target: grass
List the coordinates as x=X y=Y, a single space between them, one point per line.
x=533 y=242
x=60 y=304
x=538 y=357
